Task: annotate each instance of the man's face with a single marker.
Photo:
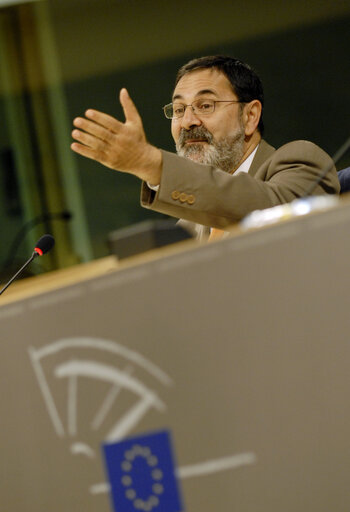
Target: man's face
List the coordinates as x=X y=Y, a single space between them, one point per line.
x=217 y=138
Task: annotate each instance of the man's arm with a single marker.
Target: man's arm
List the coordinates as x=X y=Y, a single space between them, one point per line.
x=119 y=146
x=192 y=191
x=209 y=196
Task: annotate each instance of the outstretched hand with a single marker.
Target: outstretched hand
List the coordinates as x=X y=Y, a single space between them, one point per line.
x=120 y=146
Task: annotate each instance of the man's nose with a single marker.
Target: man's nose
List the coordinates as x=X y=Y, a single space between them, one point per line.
x=189 y=119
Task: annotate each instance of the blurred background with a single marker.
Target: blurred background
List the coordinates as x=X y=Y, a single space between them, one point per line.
x=60 y=57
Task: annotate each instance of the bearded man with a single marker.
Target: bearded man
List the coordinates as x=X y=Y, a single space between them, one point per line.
x=223 y=169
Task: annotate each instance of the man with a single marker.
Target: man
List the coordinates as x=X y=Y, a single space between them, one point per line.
x=224 y=169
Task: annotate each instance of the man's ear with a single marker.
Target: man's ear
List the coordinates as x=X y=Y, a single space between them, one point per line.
x=251 y=116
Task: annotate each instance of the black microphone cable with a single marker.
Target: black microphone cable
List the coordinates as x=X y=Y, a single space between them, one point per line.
x=25 y=229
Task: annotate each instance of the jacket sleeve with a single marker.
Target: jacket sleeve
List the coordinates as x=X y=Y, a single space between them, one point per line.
x=209 y=196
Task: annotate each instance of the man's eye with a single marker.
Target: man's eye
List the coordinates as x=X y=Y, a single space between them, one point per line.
x=204 y=106
x=178 y=109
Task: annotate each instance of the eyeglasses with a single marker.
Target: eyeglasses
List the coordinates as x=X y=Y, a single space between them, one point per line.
x=201 y=107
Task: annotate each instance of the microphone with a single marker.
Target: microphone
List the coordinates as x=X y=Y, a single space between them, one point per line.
x=43 y=246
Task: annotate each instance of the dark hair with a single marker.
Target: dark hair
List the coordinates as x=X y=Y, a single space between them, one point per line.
x=244 y=81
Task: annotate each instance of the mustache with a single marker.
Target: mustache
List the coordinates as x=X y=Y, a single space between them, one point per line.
x=197 y=132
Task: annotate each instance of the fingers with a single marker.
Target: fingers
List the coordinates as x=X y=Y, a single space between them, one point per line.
x=103 y=138
x=91 y=140
x=86 y=151
x=102 y=125
x=97 y=132
x=130 y=111
x=88 y=140
x=99 y=119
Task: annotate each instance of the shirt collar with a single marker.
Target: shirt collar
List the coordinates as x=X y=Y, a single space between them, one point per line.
x=245 y=166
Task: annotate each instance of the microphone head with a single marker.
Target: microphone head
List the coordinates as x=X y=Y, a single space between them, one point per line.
x=44 y=245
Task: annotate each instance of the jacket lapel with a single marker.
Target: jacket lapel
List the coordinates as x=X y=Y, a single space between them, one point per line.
x=263 y=152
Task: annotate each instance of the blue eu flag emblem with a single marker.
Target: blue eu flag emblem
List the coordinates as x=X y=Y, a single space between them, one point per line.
x=141 y=473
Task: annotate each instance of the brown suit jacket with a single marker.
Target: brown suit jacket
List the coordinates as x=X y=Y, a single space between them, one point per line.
x=211 y=197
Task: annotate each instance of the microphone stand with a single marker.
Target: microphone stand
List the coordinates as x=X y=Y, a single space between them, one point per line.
x=336 y=157
x=34 y=255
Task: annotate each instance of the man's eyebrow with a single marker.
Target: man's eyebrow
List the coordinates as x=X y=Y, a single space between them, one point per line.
x=199 y=93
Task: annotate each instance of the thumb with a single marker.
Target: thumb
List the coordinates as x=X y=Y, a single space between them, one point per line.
x=130 y=111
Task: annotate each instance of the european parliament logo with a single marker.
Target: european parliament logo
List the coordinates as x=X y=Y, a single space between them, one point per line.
x=142 y=474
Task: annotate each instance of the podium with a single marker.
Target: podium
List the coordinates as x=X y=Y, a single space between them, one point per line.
x=239 y=350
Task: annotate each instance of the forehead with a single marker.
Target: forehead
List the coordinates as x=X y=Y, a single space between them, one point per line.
x=202 y=81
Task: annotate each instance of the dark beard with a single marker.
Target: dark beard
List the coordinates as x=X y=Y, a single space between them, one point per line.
x=224 y=154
